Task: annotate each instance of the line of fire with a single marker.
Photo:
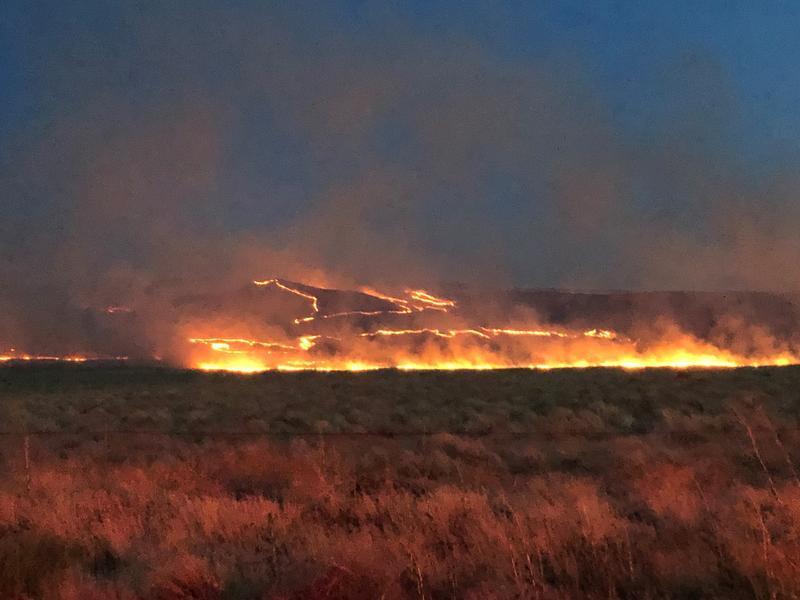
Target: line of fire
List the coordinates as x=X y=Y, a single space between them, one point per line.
x=277 y=324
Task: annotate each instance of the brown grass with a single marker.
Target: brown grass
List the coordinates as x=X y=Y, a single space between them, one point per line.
x=710 y=509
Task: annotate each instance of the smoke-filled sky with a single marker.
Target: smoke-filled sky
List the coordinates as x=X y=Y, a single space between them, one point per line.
x=642 y=145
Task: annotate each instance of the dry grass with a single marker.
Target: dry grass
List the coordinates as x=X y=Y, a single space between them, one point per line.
x=703 y=502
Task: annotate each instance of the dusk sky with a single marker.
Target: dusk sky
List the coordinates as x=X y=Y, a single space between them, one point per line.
x=398 y=299
x=642 y=145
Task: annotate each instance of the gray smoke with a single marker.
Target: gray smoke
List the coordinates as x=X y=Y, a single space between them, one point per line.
x=185 y=150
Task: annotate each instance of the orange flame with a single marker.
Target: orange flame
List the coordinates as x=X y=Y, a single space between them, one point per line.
x=471 y=347
x=14 y=356
x=430 y=301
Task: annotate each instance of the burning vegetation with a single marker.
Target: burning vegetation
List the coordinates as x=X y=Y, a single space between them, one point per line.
x=334 y=330
x=277 y=324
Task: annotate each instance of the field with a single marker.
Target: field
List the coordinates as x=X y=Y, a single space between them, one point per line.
x=142 y=482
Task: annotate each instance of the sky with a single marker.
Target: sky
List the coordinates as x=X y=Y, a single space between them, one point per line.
x=602 y=145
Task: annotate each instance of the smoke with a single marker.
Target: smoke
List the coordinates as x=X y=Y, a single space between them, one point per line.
x=168 y=152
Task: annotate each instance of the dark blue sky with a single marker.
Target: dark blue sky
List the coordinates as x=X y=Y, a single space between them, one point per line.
x=604 y=144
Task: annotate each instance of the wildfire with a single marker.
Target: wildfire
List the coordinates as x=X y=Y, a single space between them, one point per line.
x=430 y=301
x=447 y=333
x=313 y=299
x=42 y=358
x=528 y=332
x=14 y=356
x=238 y=345
x=436 y=338
x=331 y=330
x=418 y=300
x=677 y=359
x=241 y=365
x=401 y=304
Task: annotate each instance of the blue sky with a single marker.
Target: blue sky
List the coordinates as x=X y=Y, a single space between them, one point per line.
x=625 y=48
x=603 y=144
x=630 y=49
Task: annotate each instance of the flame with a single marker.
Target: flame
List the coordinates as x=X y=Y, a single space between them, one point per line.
x=239 y=345
x=305 y=342
x=313 y=299
x=240 y=365
x=42 y=358
x=603 y=334
x=447 y=333
x=529 y=332
x=14 y=356
x=675 y=359
x=426 y=347
x=418 y=300
x=420 y=330
x=430 y=301
x=402 y=305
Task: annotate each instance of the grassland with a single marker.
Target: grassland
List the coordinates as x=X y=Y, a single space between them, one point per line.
x=138 y=482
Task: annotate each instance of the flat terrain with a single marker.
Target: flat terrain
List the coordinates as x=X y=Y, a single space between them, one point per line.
x=143 y=482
